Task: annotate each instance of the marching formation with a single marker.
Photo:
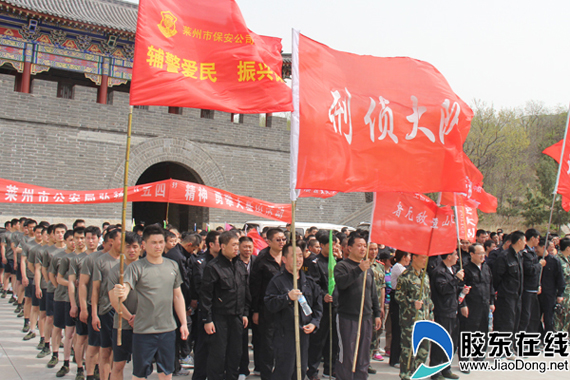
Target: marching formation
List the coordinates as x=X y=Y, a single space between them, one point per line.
x=197 y=300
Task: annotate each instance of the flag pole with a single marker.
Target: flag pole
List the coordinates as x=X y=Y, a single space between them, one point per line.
x=123 y=224
x=554 y=193
x=457 y=230
x=361 y=306
x=331 y=257
x=295 y=286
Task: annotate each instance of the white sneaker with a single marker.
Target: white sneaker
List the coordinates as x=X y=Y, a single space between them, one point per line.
x=187 y=362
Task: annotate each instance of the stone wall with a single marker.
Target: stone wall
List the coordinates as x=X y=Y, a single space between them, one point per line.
x=80 y=144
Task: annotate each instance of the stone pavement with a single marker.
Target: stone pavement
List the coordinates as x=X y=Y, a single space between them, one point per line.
x=18 y=359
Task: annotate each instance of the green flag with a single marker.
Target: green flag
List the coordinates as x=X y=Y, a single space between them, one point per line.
x=332 y=263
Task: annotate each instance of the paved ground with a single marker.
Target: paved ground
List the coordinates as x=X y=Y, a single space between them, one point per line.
x=18 y=359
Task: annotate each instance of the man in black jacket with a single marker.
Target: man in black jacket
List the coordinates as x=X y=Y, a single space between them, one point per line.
x=279 y=299
x=247 y=259
x=225 y=306
x=508 y=282
x=445 y=287
x=319 y=342
x=532 y=267
x=201 y=347
x=349 y=278
x=266 y=266
x=475 y=311
x=551 y=288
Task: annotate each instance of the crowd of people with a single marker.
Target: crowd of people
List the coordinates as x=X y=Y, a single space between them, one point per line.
x=195 y=302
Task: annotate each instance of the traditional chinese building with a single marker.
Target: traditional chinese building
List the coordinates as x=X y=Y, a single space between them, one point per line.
x=65 y=70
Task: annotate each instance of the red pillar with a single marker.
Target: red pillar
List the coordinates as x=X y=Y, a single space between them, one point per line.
x=102 y=92
x=26 y=78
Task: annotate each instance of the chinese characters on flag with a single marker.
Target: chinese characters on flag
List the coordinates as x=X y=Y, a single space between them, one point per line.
x=413 y=223
x=364 y=123
x=171 y=191
x=467 y=218
x=205 y=55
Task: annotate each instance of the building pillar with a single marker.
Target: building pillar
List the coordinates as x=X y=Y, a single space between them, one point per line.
x=26 y=78
x=103 y=89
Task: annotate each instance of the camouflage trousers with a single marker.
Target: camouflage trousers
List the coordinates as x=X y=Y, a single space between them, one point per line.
x=421 y=357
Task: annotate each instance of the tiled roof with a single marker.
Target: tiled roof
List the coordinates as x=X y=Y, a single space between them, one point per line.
x=113 y=14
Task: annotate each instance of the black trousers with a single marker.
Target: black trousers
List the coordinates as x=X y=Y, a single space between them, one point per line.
x=395 y=348
x=507 y=314
x=478 y=321
x=244 y=363
x=266 y=330
x=225 y=347
x=547 y=303
x=285 y=357
x=200 y=352
x=319 y=343
x=530 y=311
x=451 y=325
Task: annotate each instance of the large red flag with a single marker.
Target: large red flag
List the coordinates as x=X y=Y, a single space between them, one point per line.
x=200 y=54
x=364 y=123
x=413 y=223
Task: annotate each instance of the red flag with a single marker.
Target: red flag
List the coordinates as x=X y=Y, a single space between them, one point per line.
x=317 y=193
x=200 y=54
x=467 y=218
x=474 y=192
x=258 y=242
x=413 y=223
x=555 y=151
x=364 y=123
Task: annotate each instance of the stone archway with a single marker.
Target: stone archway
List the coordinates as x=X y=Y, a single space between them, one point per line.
x=162 y=158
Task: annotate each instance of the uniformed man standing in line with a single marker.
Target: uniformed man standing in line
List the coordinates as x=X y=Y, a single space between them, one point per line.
x=279 y=299
x=532 y=266
x=225 y=306
x=411 y=302
x=508 y=282
x=446 y=283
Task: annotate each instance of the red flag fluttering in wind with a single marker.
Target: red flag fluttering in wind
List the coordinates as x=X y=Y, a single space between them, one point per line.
x=555 y=151
x=364 y=123
x=413 y=223
x=467 y=217
x=200 y=54
x=474 y=192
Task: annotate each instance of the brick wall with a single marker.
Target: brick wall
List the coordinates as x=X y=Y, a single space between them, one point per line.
x=79 y=144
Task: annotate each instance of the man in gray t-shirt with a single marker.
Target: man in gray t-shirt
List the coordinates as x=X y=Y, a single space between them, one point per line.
x=156 y=281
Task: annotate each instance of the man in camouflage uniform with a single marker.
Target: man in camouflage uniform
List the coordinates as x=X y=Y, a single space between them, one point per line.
x=379 y=279
x=411 y=301
x=562 y=316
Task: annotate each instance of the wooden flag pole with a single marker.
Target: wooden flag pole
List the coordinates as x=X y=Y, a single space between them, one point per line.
x=457 y=229
x=293 y=236
x=123 y=224
x=361 y=311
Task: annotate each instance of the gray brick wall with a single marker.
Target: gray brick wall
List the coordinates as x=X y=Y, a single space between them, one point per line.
x=79 y=144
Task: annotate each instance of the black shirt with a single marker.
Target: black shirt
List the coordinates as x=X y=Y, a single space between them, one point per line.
x=349 y=279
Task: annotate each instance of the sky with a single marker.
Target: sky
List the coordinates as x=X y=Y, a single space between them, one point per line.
x=502 y=52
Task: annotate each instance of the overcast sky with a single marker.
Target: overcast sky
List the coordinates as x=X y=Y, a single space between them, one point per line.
x=503 y=52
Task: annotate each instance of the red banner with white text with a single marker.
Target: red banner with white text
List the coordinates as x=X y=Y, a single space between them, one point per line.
x=413 y=223
x=168 y=191
x=200 y=54
x=467 y=218
x=365 y=123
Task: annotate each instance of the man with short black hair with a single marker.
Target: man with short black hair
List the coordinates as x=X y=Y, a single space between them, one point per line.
x=156 y=281
x=279 y=299
x=32 y=303
x=266 y=266
x=551 y=287
x=349 y=277
x=532 y=267
x=123 y=353
x=481 y=236
x=508 y=283
x=225 y=299
x=489 y=246
x=247 y=259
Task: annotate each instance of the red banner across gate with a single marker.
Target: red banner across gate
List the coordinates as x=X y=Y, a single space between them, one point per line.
x=171 y=191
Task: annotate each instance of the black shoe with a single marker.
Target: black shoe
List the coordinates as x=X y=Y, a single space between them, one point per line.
x=449 y=375
x=371 y=370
